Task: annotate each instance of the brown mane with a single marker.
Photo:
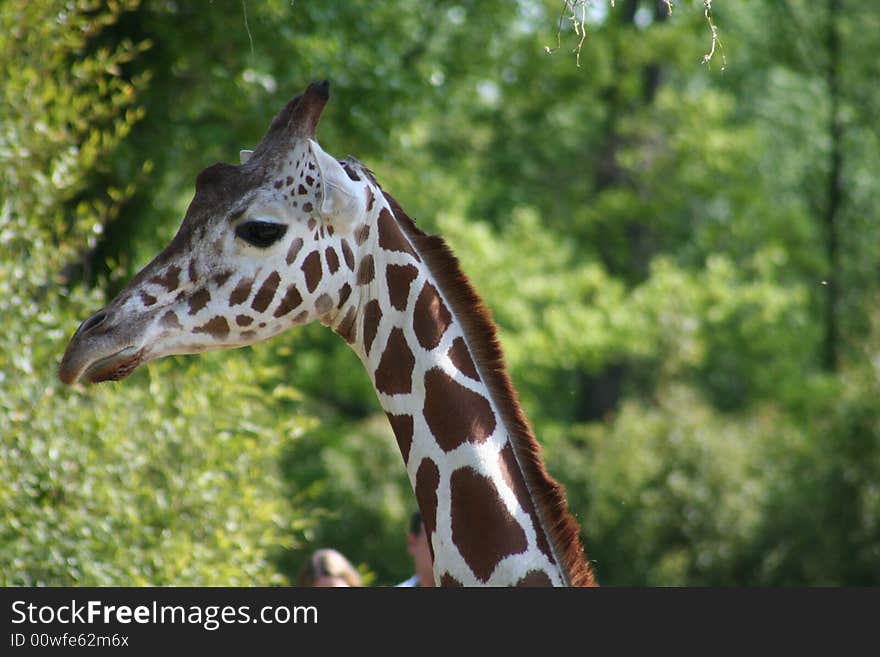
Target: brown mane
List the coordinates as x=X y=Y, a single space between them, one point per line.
x=480 y=333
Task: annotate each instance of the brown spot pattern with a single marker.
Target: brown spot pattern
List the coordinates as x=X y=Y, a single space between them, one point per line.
x=241 y=292
x=448 y=581
x=244 y=320
x=198 y=300
x=427 y=480
x=461 y=358
x=147 y=299
x=216 y=327
x=292 y=298
x=221 y=278
x=323 y=304
x=482 y=528
x=454 y=413
x=351 y=173
x=170 y=320
x=344 y=293
x=347 y=328
x=293 y=251
x=332 y=259
x=394 y=372
x=266 y=292
x=391 y=238
x=399 y=278
x=347 y=255
x=311 y=267
x=170 y=280
x=366 y=270
x=535 y=578
x=402 y=425
x=372 y=317
x=370 y=199
x=361 y=233
x=513 y=476
x=430 y=318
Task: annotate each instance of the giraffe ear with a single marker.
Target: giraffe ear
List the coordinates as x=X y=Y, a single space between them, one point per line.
x=340 y=202
x=244 y=156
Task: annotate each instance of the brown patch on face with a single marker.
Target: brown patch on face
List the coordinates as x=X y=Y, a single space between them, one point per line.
x=402 y=425
x=307 y=206
x=513 y=477
x=394 y=373
x=461 y=358
x=241 y=292
x=361 y=233
x=482 y=527
x=198 y=300
x=347 y=255
x=221 y=278
x=332 y=259
x=244 y=320
x=391 y=238
x=312 y=223
x=170 y=320
x=372 y=317
x=535 y=578
x=289 y=181
x=399 y=280
x=311 y=267
x=302 y=190
x=455 y=414
x=217 y=328
x=366 y=270
x=323 y=304
x=170 y=280
x=301 y=317
x=427 y=481
x=278 y=184
x=344 y=293
x=347 y=327
x=293 y=251
x=430 y=318
x=292 y=298
x=147 y=299
x=448 y=581
x=370 y=199
x=266 y=292
x=192 y=271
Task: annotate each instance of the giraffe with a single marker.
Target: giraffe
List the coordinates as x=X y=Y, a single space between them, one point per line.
x=293 y=235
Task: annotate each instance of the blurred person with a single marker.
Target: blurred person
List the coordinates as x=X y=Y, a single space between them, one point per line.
x=420 y=551
x=328 y=568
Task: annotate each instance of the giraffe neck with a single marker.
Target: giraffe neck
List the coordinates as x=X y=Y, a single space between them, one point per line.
x=493 y=515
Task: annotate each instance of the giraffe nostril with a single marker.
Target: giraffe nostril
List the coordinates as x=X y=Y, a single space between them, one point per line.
x=95 y=320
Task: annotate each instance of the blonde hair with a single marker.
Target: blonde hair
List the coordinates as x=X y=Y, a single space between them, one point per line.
x=328 y=563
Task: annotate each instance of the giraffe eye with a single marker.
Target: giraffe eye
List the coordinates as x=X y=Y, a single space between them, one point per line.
x=261 y=234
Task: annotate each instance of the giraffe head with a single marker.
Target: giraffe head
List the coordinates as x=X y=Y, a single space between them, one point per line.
x=264 y=246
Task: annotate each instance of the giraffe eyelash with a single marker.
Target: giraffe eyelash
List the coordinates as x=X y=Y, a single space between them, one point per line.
x=261 y=234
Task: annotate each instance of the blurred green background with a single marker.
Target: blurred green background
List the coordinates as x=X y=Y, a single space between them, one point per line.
x=682 y=260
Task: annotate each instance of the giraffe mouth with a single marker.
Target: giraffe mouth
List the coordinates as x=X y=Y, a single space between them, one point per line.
x=115 y=367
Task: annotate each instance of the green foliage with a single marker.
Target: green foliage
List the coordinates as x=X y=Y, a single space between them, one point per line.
x=649 y=233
